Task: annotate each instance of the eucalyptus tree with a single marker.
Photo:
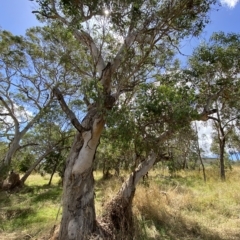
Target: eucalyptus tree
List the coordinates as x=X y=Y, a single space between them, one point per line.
x=30 y=67
x=52 y=136
x=216 y=66
x=150 y=121
x=125 y=43
x=183 y=152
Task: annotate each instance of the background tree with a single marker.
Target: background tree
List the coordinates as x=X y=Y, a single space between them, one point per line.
x=30 y=67
x=199 y=151
x=216 y=67
x=233 y=143
x=51 y=135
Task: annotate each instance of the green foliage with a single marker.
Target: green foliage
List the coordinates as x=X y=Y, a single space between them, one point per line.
x=216 y=64
x=182 y=15
x=169 y=105
x=26 y=162
x=54 y=161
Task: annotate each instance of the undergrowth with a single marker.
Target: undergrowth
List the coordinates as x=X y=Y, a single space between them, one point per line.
x=177 y=207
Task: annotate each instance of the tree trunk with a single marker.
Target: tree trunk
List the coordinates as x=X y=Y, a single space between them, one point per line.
x=203 y=167
x=29 y=171
x=54 y=170
x=118 y=217
x=221 y=159
x=13 y=147
x=78 y=217
x=199 y=155
x=184 y=167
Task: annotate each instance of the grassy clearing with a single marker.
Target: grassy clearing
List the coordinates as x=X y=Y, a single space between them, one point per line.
x=31 y=212
x=182 y=207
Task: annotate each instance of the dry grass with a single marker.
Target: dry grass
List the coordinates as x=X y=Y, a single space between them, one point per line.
x=185 y=207
x=105 y=190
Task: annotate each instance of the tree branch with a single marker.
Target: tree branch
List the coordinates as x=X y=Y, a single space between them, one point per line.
x=28 y=144
x=204 y=116
x=213 y=118
x=66 y=109
x=81 y=36
x=87 y=40
x=11 y=114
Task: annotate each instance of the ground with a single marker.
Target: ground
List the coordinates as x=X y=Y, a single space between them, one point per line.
x=177 y=207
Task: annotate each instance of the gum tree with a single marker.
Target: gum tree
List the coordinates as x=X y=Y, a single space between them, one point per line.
x=126 y=43
x=214 y=69
x=30 y=66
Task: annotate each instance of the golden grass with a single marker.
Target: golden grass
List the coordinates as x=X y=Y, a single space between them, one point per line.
x=187 y=208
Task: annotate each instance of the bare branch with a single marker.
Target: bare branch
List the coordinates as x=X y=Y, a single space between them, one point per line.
x=11 y=114
x=47 y=16
x=129 y=40
x=4 y=114
x=27 y=145
x=36 y=118
x=232 y=119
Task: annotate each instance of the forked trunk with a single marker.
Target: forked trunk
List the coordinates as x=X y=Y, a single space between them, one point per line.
x=78 y=217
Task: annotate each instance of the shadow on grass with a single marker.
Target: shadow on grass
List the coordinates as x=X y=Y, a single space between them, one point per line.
x=31 y=207
x=47 y=193
x=30 y=195
x=15 y=217
x=18 y=213
x=5 y=199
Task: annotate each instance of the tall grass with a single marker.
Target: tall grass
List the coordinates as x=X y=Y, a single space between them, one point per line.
x=184 y=207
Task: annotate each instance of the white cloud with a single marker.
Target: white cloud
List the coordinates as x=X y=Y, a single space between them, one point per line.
x=230 y=3
x=204 y=136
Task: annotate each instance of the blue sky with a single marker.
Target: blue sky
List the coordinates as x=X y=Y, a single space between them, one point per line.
x=16 y=17
x=226 y=19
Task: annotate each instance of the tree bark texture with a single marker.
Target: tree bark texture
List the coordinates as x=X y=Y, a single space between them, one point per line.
x=78 y=217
